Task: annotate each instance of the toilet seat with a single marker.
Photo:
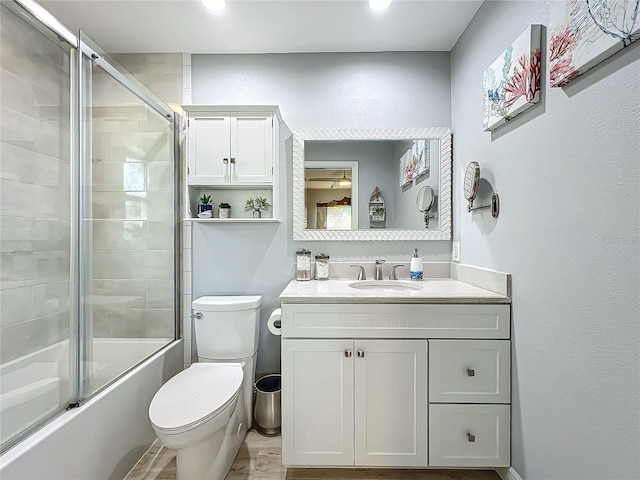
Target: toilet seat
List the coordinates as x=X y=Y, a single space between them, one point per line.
x=195 y=396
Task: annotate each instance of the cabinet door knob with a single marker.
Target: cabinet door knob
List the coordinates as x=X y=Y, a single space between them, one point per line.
x=233 y=160
x=360 y=353
x=471 y=438
x=225 y=160
x=347 y=353
x=471 y=372
x=197 y=315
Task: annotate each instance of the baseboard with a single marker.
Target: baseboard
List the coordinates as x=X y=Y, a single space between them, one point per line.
x=508 y=473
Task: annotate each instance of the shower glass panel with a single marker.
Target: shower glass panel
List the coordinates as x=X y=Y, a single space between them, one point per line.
x=37 y=339
x=127 y=231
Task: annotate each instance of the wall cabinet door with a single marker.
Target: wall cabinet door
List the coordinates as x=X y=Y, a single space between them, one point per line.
x=317 y=402
x=209 y=143
x=391 y=402
x=245 y=140
x=252 y=147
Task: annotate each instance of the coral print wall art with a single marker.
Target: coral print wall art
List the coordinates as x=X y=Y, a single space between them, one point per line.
x=512 y=82
x=415 y=162
x=585 y=32
x=408 y=168
x=421 y=152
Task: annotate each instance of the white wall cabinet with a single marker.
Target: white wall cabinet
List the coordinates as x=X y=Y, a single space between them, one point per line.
x=233 y=153
x=354 y=402
x=230 y=147
x=373 y=401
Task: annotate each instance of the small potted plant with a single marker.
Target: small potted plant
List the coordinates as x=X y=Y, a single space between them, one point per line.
x=224 y=210
x=257 y=204
x=378 y=213
x=205 y=209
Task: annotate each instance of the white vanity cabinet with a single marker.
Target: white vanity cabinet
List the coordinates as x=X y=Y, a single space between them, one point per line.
x=230 y=146
x=369 y=384
x=354 y=402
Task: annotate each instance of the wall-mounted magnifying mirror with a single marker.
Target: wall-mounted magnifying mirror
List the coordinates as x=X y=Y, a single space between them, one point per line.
x=471 y=181
x=424 y=202
x=471 y=184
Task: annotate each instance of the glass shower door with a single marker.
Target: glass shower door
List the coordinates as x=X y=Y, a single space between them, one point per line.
x=36 y=311
x=127 y=232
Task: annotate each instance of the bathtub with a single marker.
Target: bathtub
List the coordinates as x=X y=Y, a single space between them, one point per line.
x=107 y=434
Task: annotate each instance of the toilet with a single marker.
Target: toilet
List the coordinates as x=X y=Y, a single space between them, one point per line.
x=204 y=412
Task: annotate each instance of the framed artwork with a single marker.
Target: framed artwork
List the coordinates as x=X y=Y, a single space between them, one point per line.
x=421 y=152
x=408 y=166
x=512 y=82
x=585 y=32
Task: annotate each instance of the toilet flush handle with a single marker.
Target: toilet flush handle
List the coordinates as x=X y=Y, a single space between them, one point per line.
x=197 y=315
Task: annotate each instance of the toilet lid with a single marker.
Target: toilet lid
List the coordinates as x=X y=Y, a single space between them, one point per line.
x=226 y=303
x=194 y=394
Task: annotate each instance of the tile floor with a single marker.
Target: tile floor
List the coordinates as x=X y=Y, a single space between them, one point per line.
x=259 y=459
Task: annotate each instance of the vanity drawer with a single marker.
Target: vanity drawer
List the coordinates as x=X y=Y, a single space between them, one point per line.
x=469 y=435
x=344 y=320
x=469 y=371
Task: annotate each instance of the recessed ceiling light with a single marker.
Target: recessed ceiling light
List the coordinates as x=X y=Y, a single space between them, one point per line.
x=379 y=4
x=215 y=5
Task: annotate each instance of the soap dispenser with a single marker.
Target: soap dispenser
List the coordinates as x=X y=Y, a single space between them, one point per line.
x=416 y=266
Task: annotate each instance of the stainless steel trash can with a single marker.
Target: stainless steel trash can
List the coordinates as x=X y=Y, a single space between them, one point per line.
x=266 y=411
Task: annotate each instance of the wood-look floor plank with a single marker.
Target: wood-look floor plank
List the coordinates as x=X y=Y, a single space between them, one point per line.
x=260 y=458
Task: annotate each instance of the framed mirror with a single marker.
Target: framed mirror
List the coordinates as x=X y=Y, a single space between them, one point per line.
x=396 y=161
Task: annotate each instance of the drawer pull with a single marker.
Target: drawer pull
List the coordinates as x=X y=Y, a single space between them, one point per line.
x=360 y=353
x=347 y=353
x=471 y=438
x=471 y=372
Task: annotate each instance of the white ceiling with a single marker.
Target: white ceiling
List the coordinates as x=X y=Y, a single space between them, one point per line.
x=267 y=26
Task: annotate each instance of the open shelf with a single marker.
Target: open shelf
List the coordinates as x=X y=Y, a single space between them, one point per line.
x=233 y=220
x=233 y=186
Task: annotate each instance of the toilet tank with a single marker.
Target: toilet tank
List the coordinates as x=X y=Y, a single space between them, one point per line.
x=226 y=327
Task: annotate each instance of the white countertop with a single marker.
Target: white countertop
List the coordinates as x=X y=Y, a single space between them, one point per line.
x=435 y=290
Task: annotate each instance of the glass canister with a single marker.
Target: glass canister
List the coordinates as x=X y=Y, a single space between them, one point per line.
x=303 y=265
x=322 y=266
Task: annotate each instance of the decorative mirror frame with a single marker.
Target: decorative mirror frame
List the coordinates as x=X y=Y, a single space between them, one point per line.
x=443 y=134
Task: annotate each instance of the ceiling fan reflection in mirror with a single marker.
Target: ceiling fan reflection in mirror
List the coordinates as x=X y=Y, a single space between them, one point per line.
x=337 y=182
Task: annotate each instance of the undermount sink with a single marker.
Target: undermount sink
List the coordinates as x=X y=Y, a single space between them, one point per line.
x=386 y=285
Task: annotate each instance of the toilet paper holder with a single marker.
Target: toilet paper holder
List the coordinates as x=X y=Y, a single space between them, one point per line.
x=274 y=324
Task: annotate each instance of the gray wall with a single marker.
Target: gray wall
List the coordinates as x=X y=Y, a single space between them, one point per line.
x=567 y=172
x=338 y=90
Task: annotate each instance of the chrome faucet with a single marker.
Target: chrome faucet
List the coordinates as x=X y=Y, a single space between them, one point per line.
x=361 y=274
x=378 y=274
x=392 y=272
